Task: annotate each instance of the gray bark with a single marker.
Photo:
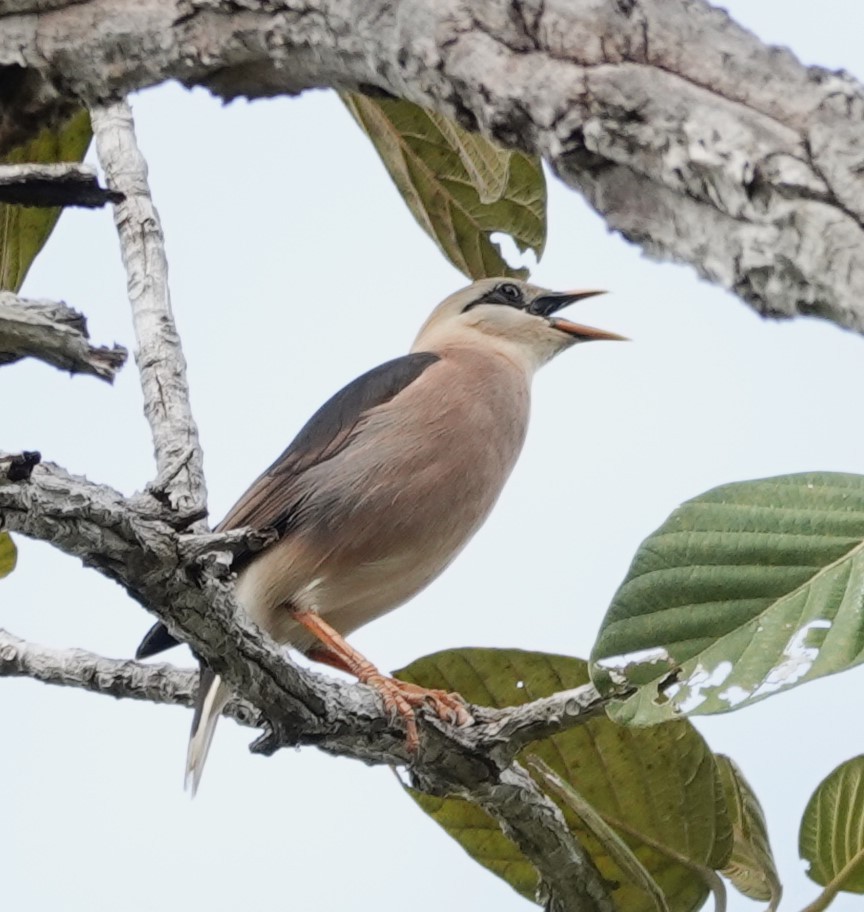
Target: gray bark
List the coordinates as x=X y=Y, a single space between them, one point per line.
x=158 y=354
x=501 y=733
x=161 y=567
x=691 y=137
x=142 y=543
x=120 y=678
x=55 y=334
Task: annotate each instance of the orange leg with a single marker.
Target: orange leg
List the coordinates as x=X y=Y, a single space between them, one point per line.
x=400 y=697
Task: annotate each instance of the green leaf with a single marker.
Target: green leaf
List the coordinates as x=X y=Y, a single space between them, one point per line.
x=832 y=832
x=488 y=165
x=482 y=839
x=657 y=787
x=751 y=868
x=24 y=230
x=459 y=186
x=622 y=854
x=743 y=592
x=8 y=554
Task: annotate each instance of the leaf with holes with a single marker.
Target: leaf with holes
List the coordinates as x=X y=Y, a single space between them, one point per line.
x=8 y=554
x=658 y=788
x=460 y=187
x=751 y=868
x=743 y=592
x=24 y=230
x=831 y=838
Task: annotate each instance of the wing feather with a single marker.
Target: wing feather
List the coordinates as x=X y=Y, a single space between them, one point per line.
x=272 y=499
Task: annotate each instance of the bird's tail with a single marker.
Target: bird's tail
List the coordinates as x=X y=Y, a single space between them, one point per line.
x=212 y=697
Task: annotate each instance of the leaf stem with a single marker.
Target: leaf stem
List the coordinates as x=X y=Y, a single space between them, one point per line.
x=835 y=885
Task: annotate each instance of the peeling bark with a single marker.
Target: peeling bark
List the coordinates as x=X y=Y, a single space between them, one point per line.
x=55 y=334
x=692 y=138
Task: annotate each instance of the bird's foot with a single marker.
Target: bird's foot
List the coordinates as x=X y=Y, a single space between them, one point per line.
x=401 y=699
x=445 y=704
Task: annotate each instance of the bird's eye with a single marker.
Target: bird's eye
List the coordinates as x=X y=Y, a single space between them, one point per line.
x=507 y=293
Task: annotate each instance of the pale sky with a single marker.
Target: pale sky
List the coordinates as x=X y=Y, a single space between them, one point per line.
x=294 y=267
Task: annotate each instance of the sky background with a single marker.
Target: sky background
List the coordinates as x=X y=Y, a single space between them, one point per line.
x=295 y=266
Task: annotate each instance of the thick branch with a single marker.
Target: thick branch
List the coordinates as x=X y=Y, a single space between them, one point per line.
x=55 y=334
x=153 y=562
x=494 y=729
x=566 y=872
x=691 y=137
x=159 y=356
x=524 y=812
x=61 y=184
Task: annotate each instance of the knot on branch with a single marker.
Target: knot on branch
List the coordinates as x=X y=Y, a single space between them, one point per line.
x=214 y=552
x=19 y=467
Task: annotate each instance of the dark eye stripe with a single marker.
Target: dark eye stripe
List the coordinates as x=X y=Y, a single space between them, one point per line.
x=507 y=293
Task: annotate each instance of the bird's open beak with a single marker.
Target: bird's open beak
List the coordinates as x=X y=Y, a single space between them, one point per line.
x=586 y=333
x=548 y=304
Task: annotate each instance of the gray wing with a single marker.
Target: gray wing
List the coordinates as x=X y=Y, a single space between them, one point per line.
x=272 y=499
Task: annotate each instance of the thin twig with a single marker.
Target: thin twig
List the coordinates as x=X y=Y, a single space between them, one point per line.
x=119 y=678
x=55 y=184
x=159 y=355
x=54 y=333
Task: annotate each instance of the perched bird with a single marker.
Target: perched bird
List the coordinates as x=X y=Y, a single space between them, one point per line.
x=385 y=485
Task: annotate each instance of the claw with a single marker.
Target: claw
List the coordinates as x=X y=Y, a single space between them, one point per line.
x=401 y=699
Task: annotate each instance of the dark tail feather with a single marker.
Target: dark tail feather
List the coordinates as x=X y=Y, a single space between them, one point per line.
x=156 y=640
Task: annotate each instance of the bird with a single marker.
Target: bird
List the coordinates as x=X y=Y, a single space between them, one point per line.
x=385 y=485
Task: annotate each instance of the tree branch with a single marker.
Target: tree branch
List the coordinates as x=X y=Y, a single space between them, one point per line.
x=152 y=561
x=120 y=678
x=138 y=546
x=692 y=138
x=506 y=732
x=567 y=875
x=514 y=726
x=55 y=334
x=60 y=184
x=159 y=355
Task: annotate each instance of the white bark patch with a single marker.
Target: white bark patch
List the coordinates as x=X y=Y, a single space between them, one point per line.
x=159 y=355
x=690 y=137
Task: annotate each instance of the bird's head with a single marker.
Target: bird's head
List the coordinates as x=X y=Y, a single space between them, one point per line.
x=509 y=315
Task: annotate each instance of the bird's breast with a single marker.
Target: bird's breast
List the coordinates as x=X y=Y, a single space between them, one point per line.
x=382 y=518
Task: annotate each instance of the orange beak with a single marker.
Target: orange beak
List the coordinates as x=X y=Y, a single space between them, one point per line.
x=586 y=333
x=548 y=304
